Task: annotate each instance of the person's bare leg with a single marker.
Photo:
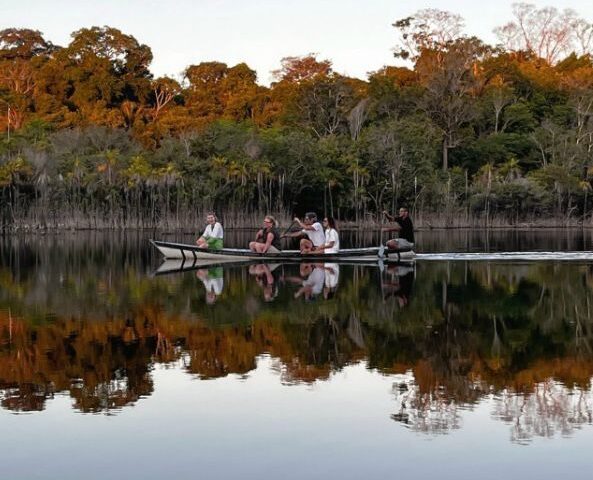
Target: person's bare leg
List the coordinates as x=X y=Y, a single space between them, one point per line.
x=392 y=245
x=306 y=246
x=259 y=247
x=252 y=246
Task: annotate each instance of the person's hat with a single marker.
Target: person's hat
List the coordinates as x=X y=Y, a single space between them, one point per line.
x=311 y=215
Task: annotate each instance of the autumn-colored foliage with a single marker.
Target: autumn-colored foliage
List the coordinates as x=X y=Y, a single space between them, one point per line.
x=425 y=134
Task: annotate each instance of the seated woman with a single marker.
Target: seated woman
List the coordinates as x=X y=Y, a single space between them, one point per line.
x=267 y=239
x=213 y=234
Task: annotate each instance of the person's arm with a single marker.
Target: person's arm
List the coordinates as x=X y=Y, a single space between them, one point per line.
x=269 y=277
x=269 y=240
x=391 y=218
x=325 y=246
x=292 y=234
x=396 y=227
x=305 y=227
x=202 y=274
x=295 y=280
x=259 y=234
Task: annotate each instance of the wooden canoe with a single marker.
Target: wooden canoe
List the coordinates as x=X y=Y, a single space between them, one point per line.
x=171 y=250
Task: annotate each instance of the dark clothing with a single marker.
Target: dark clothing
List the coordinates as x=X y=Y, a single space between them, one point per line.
x=276 y=242
x=407 y=229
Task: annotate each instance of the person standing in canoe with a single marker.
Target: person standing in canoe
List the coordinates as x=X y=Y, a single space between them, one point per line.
x=404 y=227
x=267 y=239
x=313 y=230
x=213 y=234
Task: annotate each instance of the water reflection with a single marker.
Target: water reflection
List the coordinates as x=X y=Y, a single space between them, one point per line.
x=453 y=336
x=213 y=280
x=267 y=277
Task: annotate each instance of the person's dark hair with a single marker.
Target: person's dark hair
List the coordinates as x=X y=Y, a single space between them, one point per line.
x=311 y=215
x=331 y=221
x=213 y=213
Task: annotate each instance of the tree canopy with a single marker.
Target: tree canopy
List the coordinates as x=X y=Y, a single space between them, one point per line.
x=438 y=133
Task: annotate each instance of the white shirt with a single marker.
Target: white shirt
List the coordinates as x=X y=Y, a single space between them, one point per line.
x=315 y=280
x=316 y=236
x=214 y=285
x=213 y=231
x=331 y=235
x=332 y=275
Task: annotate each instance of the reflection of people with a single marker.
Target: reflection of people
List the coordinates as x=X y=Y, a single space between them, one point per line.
x=332 y=277
x=312 y=280
x=212 y=236
x=313 y=230
x=400 y=284
x=267 y=239
x=213 y=280
x=267 y=278
x=403 y=225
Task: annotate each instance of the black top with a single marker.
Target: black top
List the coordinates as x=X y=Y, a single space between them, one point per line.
x=407 y=229
x=274 y=231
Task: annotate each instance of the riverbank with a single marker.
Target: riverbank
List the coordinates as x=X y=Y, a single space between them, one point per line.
x=252 y=221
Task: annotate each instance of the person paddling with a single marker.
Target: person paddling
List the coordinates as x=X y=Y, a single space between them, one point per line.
x=213 y=233
x=313 y=230
x=267 y=239
x=404 y=227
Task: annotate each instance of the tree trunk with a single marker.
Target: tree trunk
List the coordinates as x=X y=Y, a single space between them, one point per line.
x=445 y=155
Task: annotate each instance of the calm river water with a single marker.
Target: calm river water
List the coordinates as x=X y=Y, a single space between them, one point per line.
x=111 y=368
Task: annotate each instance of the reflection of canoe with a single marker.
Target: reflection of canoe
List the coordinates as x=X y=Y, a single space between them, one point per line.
x=175 y=265
x=192 y=252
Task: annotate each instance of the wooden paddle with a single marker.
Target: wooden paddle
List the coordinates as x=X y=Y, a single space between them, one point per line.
x=288 y=229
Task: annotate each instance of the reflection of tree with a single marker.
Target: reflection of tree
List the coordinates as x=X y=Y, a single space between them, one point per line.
x=468 y=329
x=432 y=412
x=25 y=397
x=106 y=396
x=102 y=366
x=544 y=409
x=550 y=409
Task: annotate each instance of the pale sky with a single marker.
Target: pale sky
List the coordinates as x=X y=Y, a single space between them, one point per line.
x=355 y=34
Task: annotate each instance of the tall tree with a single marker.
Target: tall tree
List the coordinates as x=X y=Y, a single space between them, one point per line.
x=547 y=32
x=452 y=79
x=299 y=69
x=22 y=53
x=104 y=68
x=426 y=29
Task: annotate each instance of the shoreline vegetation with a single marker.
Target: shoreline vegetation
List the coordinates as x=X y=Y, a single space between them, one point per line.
x=466 y=135
x=251 y=222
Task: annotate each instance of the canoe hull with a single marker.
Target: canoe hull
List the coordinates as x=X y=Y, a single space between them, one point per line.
x=192 y=253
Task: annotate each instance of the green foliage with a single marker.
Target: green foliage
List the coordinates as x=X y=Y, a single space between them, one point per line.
x=103 y=138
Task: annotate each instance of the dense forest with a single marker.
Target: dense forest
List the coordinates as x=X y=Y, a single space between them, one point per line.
x=462 y=132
